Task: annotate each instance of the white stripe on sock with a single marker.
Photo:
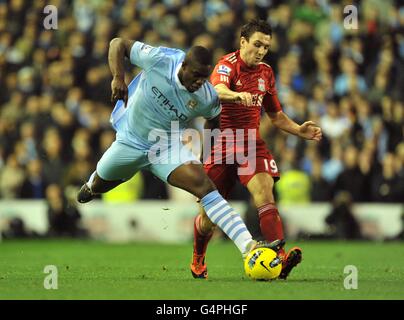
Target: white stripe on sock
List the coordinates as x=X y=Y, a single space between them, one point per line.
x=216 y=206
x=231 y=229
x=216 y=216
x=236 y=228
x=226 y=218
x=230 y=214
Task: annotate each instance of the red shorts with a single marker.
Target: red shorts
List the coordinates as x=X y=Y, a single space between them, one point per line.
x=225 y=175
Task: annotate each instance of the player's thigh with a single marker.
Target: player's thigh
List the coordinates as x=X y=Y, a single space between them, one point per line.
x=182 y=170
x=169 y=159
x=224 y=176
x=261 y=189
x=261 y=183
x=192 y=178
x=263 y=163
x=120 y=162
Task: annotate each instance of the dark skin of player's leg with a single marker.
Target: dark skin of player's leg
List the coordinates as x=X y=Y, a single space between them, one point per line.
x=192 y=178
x=101 y=186
x=189 y=177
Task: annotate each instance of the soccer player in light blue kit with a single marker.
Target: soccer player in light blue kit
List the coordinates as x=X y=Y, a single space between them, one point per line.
x=171 y=89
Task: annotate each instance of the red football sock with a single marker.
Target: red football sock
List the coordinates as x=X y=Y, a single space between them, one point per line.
x=201 y=240
x=270 y=223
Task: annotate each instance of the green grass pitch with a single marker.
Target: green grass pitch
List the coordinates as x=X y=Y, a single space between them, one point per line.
x=95 y=270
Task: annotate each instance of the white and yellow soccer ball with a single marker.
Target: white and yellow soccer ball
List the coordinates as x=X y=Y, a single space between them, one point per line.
x=262 y=264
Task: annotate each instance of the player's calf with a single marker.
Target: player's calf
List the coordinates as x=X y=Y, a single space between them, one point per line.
x=202 y=235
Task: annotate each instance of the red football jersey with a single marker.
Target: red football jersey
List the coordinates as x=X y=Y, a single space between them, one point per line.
x=237 y=76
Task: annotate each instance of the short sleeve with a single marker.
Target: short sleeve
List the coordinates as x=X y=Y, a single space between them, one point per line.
x=272 y=84
x=215 y=109
x=143 y=55
x=271 y=103
x=222 y=74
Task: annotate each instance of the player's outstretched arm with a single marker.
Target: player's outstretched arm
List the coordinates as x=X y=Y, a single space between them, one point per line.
x=227 y=95
x=119 y=49
x=308 y=130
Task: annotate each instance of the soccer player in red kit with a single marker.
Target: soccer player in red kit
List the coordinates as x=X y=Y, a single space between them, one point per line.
x=245 y=84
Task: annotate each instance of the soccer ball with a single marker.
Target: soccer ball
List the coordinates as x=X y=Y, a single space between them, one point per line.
x=262 y=264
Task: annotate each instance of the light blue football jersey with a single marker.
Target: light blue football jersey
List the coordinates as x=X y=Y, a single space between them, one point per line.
x=157 y=100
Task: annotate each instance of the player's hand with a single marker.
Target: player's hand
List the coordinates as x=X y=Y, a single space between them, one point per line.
x=244 y=98
x=310 y=131
x=119 y=90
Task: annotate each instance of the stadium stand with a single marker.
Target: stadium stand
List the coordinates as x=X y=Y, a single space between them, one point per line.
x=55 y=103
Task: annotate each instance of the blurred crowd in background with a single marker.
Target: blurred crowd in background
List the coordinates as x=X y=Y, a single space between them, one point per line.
x=55 y=90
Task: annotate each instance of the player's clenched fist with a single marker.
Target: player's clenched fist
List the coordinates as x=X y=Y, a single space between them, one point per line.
x=244 y=98
x=119 y=90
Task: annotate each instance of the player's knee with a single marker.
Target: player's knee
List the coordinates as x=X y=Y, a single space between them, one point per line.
x=263 y=196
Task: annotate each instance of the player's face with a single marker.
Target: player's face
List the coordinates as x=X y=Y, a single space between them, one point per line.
x=194 y=75
x=254 y=50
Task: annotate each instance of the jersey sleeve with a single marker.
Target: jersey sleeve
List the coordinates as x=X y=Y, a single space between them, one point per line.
x=214 y=108
x=271 y=103
x=272 y=84
x=222 y=74
x=143 y=55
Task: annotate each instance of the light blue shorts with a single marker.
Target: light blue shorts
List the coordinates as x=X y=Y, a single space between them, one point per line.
x=121 y=161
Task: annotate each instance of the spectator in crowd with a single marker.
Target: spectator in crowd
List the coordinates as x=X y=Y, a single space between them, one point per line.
x=53 y=160
x=333 y=165
x=11 y=178
x=55 y=83
x=34 y=184
x=17 y=229
x=352 y=179
x=341 y=220
x=387 y=185
x=334 y=124
x=294 y=186
x=320 y=189
x=63 y=217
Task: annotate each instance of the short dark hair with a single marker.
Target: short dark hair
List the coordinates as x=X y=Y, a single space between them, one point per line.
x=200 y=55
x=255 y=25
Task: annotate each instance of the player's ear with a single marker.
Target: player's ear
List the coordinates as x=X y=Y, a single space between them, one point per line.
x=184 y=65
x=243 y=41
